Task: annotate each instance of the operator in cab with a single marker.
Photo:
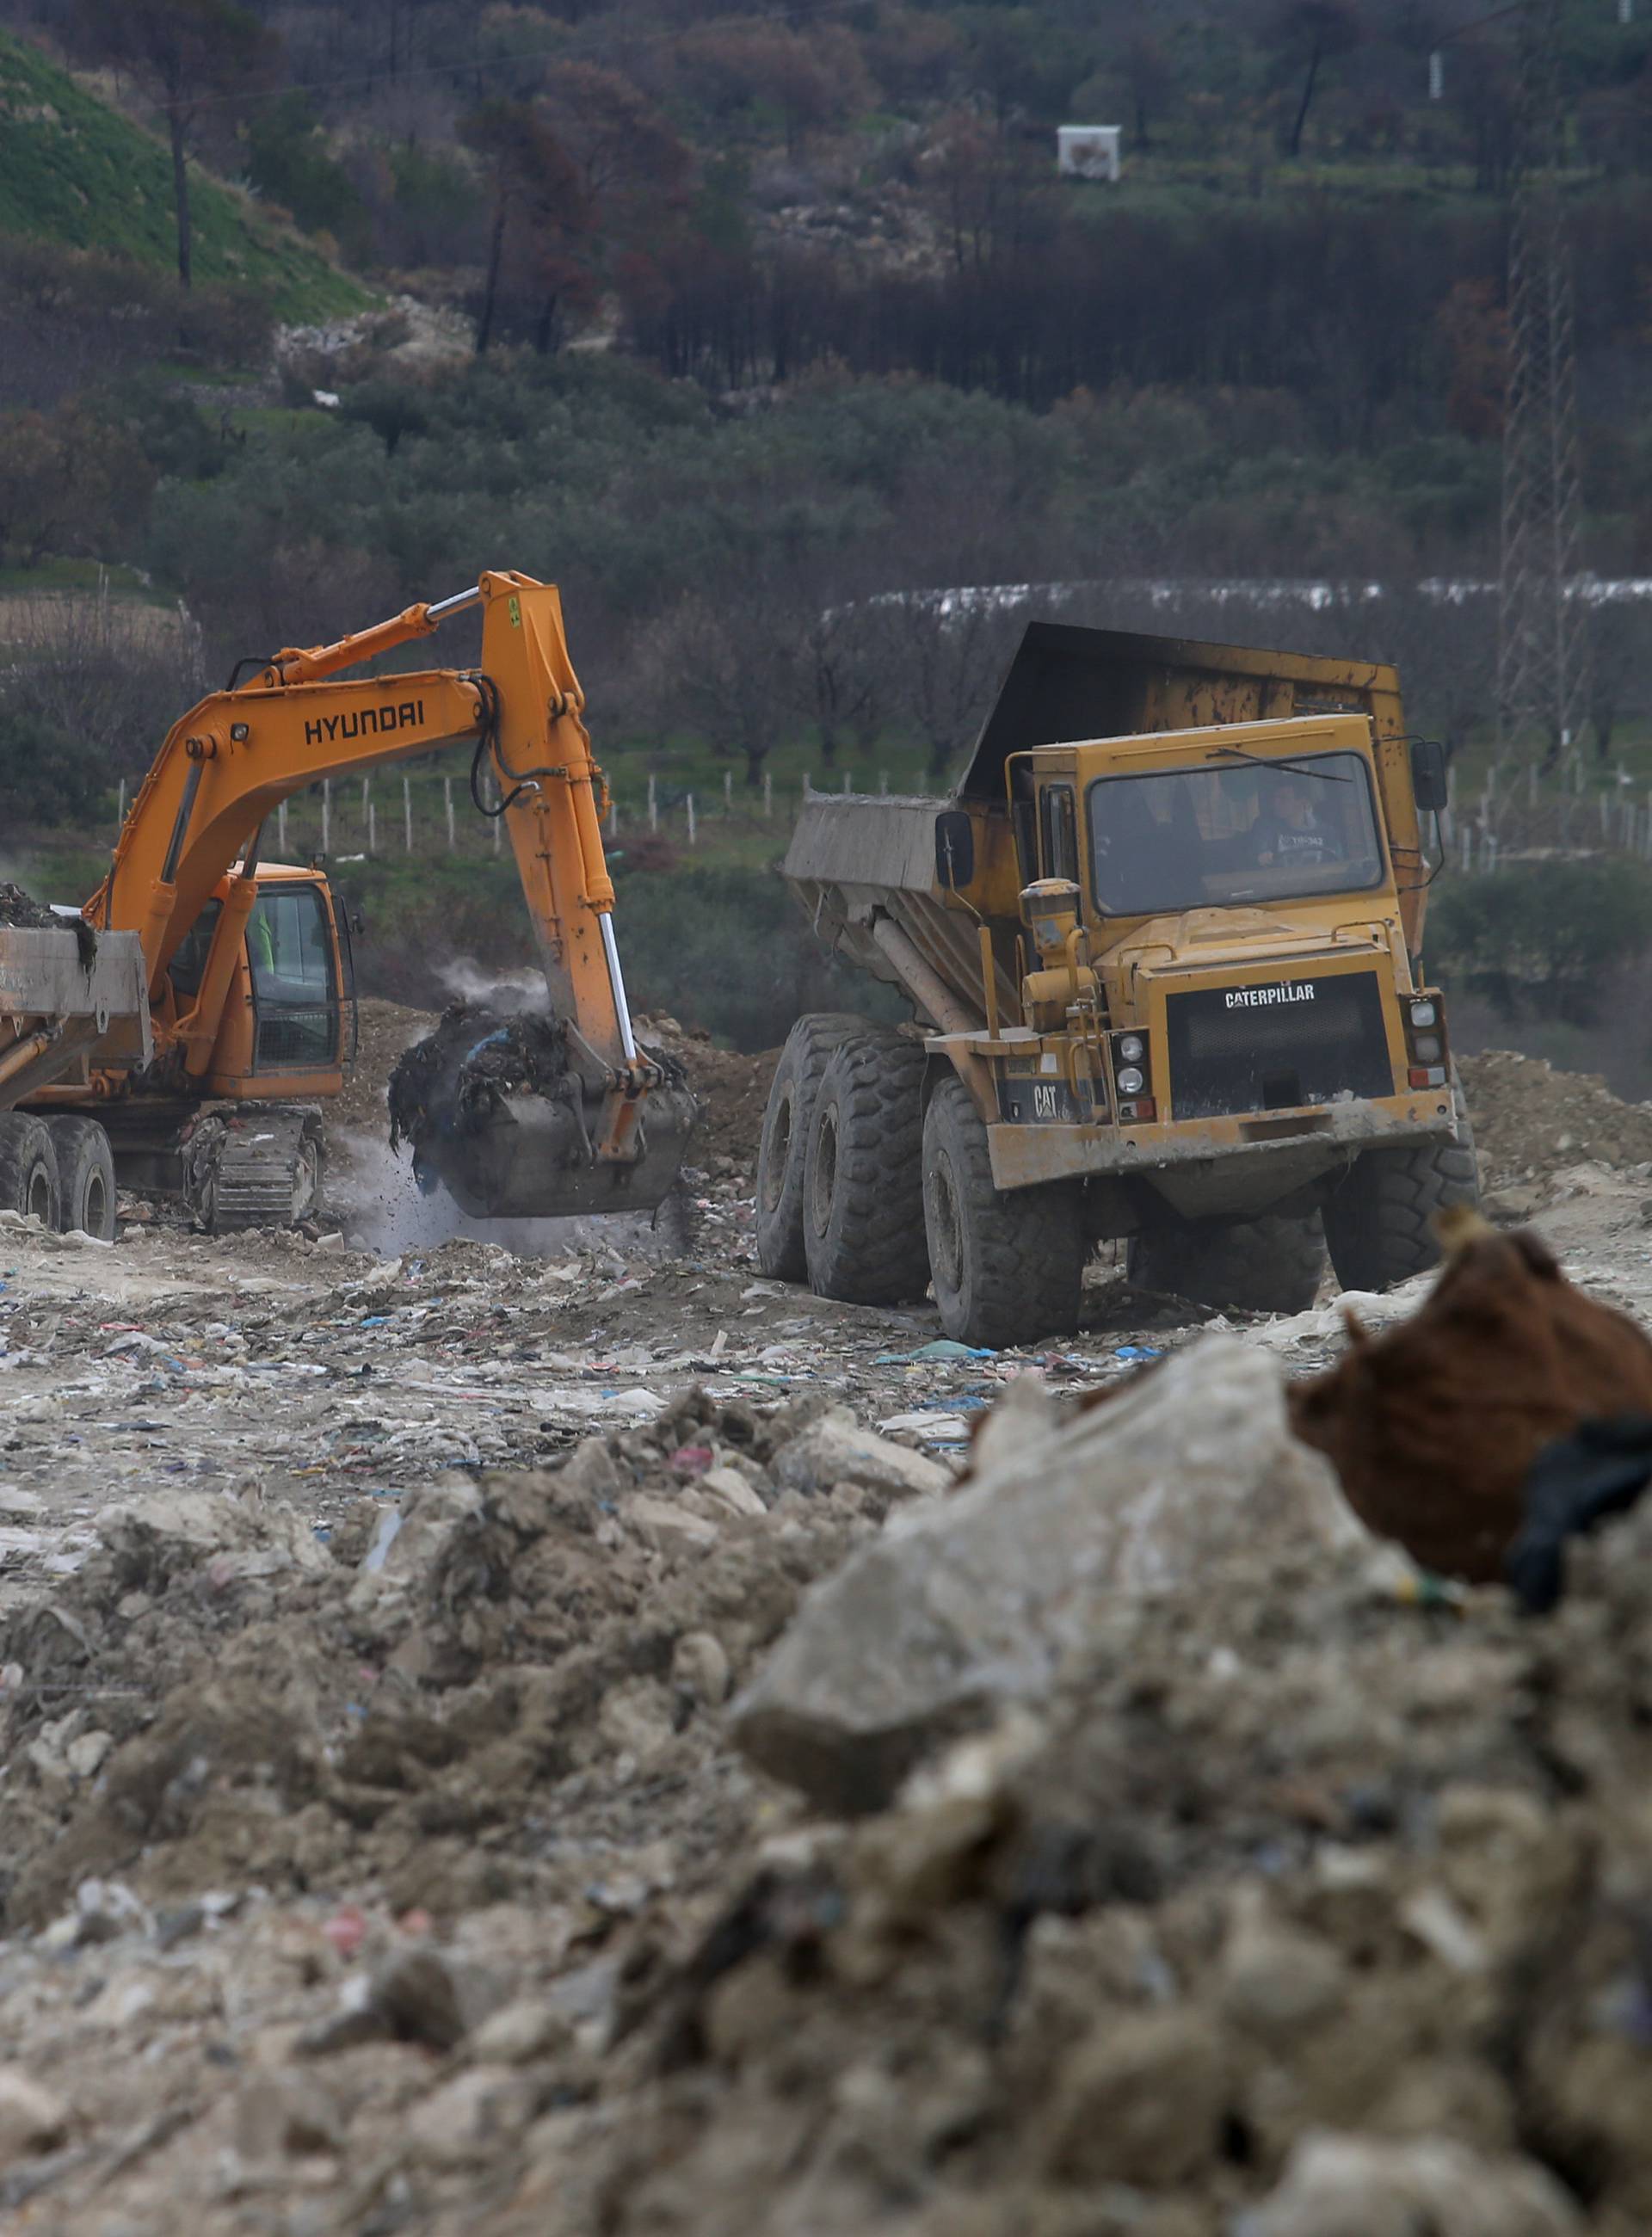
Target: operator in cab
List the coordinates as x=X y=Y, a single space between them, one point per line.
x=1290 y=833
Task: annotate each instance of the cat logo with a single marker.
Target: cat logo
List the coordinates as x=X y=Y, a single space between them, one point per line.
x=1047 y=1102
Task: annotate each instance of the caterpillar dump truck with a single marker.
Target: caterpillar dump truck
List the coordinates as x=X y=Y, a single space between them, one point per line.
x=1163 y=949
x=230 y=978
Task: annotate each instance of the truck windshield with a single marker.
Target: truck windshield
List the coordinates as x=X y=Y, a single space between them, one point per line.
x=1222 y=833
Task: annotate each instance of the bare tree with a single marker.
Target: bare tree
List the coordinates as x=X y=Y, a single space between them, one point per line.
x=1311 y=33
x=184 y=53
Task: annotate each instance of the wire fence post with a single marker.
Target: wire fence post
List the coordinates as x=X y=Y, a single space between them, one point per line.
x=882 y=783
x=613 y=817
x=653 y=804
x=406 y=812
x=372 y=827
x=768 y=796
x=120 y=807
x=448 y=802
x=690 y=820
x=728 y=792
x=366 y=811
x=327 y=815
x=281 y=830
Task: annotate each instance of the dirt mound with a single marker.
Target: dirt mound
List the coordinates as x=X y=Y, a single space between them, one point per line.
x=732 y=1090
x=385 y=1030
x=429 y=1677
x=1279 y=1859
x=1531 y=1122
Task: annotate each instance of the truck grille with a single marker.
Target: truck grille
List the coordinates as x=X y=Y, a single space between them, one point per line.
x=1276 y=1047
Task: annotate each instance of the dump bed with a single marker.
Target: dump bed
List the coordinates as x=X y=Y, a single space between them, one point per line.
x=69 y=997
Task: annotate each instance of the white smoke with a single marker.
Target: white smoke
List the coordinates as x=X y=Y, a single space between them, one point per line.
x=383 y=1209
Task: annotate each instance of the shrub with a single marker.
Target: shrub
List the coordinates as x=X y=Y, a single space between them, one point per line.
x=1542 y=940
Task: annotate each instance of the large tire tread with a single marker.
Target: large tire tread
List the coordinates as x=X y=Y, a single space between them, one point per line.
x=784 y=1144
x=1379 y=1218
x=29 y=1178
x=863 y=1222
x=86 y=1175
x=1024 y=1251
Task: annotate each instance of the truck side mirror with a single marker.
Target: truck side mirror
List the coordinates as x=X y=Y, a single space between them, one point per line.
x=954 y=848
x=1428 y=773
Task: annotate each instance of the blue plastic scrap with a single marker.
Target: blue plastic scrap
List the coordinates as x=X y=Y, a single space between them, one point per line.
x=942 y=1348
x=1133 y=1351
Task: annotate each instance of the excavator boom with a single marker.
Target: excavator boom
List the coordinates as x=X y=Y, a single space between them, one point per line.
x=610 y=1134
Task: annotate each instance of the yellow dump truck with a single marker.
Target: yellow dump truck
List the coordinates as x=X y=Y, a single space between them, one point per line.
x=1163 y=947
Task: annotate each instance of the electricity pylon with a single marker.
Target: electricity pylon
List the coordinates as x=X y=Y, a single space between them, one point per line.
x=1542 y=641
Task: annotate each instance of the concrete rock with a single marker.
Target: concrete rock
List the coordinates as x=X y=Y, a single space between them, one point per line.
x=669 y=1527
x=1140 y=2101
x=279 y=2114
x=1340 y=2186
x=470 y=2117
x=834 y=1449
x=411 y=1542
x=700 y=1668
x=32 y=2118
x=729 y=1489
x=520 y=2033
x=964 y=1603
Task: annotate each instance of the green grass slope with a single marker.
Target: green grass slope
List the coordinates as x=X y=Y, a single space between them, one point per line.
x=74 y=170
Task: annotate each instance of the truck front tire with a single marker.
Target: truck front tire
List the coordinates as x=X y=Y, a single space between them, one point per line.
x=862 y=1188
x=29 y=1178
x=1267 y=1265
x=1008 y=1265
x=86 y=1176
x=1379 y=1216
x=785 y=1140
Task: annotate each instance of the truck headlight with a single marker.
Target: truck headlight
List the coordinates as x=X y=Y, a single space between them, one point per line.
x=1131 y=1081
x=1131 y=1048
x=1425 y=1047
x=1423 y=1015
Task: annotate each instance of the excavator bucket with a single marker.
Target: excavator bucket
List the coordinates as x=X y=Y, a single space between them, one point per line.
x=529 y=1157
x=502 y=1113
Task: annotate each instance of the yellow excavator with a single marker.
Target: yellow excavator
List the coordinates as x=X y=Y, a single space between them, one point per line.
x=247 y=967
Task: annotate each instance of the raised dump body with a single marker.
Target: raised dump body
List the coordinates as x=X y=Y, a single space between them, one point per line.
x=72 y=1000
x=1164 y=946
x=68 y=1000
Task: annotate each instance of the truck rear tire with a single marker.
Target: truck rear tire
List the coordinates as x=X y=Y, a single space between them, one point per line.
x=784 y=1146
x=1379 y=1217
x=86 y=1176
x=1008 y=1265
x=863 y=1173
x=1267 y=1265
x=29 y=1181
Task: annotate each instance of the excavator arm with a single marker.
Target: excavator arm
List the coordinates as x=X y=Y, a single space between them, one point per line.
x=199 y=817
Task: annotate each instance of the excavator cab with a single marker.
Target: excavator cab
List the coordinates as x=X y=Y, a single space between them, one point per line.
x=288 y=1024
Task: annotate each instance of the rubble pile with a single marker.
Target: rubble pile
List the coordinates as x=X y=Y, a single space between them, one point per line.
x=746 y=1824
x=1531 y=1122
x=533 y=1747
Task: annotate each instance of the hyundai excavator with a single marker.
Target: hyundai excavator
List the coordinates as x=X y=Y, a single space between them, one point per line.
x=246 y=966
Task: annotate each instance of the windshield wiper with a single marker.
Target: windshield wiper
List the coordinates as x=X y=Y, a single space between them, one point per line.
x=1272 y=761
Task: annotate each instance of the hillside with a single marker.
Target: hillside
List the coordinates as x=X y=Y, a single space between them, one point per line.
x=74 y=170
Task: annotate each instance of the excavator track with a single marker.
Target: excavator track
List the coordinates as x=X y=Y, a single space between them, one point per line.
x=261 y=1168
